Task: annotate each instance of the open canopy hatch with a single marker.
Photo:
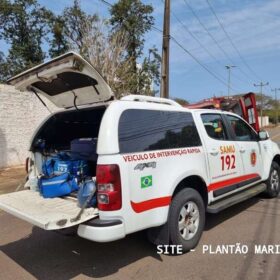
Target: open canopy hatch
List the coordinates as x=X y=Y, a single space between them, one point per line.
x=67 y=81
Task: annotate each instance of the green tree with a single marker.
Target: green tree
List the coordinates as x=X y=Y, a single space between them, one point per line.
x=106 y=52
x=58 y=44
x=76 y=21
x=69 y=30
x=3 y=67
x=23 y=25
x=135 y=19
x=149 y=73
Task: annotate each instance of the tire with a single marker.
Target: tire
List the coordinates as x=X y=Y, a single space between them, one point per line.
x=273 y=181
x=184 y=203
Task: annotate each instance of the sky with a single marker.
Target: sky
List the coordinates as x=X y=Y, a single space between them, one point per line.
x=253 y=27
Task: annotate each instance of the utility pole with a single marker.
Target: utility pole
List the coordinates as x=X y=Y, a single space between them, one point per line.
x=229 y=70
x=261 y=85
x=164 y=86
x=276 y=105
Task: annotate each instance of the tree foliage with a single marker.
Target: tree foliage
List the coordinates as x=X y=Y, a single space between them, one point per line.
x=23 y=26
x=134 y=19
x=3 y=67
x=75 y=22
x=59 y=43
x=115 y=46
x=69 y=30
x=106 y=51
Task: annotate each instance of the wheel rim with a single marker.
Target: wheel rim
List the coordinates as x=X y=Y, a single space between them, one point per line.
x=274 y=180
x=188 y=220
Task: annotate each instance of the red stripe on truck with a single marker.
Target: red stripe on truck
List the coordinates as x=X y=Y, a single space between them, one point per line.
x=146 y=205
x=225 y=183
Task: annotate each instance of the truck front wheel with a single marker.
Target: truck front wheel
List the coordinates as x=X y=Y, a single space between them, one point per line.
x=186 y=219
x=273 y=182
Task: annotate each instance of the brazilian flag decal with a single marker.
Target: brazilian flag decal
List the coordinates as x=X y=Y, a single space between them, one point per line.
x=146 y=181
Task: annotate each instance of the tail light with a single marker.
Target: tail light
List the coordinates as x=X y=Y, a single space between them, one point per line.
x=27 y=164
x=109 y=195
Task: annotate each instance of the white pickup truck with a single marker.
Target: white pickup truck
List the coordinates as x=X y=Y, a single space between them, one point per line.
x=160 y=166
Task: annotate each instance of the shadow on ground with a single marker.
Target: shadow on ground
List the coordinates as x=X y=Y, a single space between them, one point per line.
x=48 y=255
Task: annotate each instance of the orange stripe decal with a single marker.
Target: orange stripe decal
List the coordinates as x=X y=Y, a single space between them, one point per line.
x=236 y=180
x=146 y=205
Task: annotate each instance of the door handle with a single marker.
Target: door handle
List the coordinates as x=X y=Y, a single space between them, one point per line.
x=214 y=152
x=242 y=150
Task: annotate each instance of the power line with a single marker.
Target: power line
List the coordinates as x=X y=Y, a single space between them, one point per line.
x=231 y=41
x=206 y=29
x=212 y=37
x=157 y=29
x=203 y=47
x=195 y=59
x=194 y=37
x=199 y=62
x=110 y=5
x=106 y=3
x=187 y=51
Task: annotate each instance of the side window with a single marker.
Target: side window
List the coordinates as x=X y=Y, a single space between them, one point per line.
x=241 y=129
x=214 y=126
x=146 y=130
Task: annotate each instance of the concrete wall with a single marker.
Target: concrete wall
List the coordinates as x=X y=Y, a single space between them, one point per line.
x=20 y=114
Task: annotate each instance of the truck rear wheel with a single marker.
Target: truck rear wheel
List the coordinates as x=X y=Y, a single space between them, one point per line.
x=186 y=219
x=273 y=182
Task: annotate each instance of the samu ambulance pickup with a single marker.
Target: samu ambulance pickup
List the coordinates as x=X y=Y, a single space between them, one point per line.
x=159 y=166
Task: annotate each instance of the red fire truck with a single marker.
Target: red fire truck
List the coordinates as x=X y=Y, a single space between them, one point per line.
x=243 y=105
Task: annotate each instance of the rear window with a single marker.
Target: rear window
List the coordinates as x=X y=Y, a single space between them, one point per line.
x=146 y=130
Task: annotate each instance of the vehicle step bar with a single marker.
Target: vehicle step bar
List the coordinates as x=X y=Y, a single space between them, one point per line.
x=220 y=205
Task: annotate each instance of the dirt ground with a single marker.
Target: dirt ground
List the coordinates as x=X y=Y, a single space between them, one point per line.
x=11 y=178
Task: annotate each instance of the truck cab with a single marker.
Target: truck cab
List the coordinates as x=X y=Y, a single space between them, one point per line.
x=159 y=166
x=243 y=105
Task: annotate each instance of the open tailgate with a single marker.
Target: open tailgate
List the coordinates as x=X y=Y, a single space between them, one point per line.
x=67 y=81
x=48 y=214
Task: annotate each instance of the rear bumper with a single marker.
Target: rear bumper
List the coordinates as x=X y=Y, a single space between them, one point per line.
x=102 y=230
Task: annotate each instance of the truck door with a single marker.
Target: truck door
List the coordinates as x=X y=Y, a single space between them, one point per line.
x=249 y=110
x=247 y=140
x=224 y=158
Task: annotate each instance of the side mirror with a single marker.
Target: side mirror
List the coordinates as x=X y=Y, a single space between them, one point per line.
x=263 y=135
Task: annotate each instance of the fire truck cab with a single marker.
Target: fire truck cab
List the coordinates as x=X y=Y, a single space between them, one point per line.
x=242 y=105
